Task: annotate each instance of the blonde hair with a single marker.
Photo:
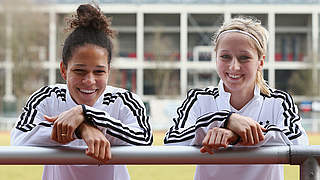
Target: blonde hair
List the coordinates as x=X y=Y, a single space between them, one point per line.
x=260 y=36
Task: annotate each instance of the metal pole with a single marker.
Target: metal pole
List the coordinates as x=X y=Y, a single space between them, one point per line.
x=309 y=169
x=145 y=155
x=308 y=158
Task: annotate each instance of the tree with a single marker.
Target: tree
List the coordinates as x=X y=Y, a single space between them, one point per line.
x=28 y=41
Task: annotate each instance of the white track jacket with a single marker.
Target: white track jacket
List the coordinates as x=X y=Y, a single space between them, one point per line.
x=204 y=109
x=119 y=114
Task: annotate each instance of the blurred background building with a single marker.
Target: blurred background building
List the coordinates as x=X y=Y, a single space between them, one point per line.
x=162 y=49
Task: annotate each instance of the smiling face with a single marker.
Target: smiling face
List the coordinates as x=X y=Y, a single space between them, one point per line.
x=237 y=62
x=86 y=73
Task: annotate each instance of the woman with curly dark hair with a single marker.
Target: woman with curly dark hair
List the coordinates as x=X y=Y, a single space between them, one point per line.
x=85 y=111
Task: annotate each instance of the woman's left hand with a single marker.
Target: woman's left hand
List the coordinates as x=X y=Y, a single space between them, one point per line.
x=216 y=138
x=98 y=145
x=65 y=124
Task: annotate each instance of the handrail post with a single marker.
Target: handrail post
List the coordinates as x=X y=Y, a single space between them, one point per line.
x=309 y=169
x=308 y=157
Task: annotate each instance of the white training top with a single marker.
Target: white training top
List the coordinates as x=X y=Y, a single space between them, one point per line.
x=204 y=109
x=118 y=113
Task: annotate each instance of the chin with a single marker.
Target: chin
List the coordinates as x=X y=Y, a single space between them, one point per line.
x=233 y=88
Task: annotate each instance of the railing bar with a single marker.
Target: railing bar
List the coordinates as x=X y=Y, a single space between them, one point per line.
x=144 y=155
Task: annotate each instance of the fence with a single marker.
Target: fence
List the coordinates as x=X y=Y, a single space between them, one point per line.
x=306 y=156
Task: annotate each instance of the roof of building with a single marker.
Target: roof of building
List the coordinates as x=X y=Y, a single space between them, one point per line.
x=186 y=1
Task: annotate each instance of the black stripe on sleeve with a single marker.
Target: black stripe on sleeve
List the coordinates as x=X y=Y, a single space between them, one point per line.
x=182 y=134
x=116 y=128
x=290 y=114
x=178 y=132
x=192 y=97
x=26 y=122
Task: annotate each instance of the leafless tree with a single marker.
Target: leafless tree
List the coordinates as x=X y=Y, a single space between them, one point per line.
x=166 y=81
x=28 y=42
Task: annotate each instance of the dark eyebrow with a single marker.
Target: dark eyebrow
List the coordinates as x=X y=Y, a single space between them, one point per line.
x=83 y=65
x=245 y=51
x=101 y=66
x=224 y=50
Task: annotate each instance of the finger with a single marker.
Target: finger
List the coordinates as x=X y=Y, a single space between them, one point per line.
x=250 y=140
x=68 y=137
x=102 y=153
x=96 y=149
x=91 y=154
x=90 y=150
x=50 y=119
x=212 y=139
x=218 y=139
x=54 y=133
x=206 y=139
x=70 y=133
x=202 y=149
x=255 y=134
x=244 y=138
x=264 y=129
x=260 y=133
x=224 y=141
x=205 y=149
x=64 y=132
x=108 y=151
x=59 y=131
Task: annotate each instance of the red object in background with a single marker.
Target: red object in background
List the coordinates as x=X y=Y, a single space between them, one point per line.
x=148 y=56
x=305 y=106
x=300 y=58
x=278 y=56
x=132 y=55
x=289 y=57
x=176 y=56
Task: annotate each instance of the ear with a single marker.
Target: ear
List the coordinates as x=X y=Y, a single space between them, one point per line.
x=63 y=70
x=261 y=62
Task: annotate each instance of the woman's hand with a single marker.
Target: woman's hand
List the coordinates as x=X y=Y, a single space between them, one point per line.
x=249 y=130
x=65 y=124
x=216 y=138
x=98 y=145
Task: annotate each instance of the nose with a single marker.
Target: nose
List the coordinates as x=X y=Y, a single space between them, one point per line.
x=89 y=79
x=235 y=65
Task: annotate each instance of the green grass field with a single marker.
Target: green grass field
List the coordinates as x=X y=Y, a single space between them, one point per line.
x=137 y=172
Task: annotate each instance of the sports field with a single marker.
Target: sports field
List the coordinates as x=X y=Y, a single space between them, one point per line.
x=137 y=172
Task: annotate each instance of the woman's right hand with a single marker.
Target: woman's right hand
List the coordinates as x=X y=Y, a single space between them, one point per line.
x=65 y=124
x=249 y=130
x=98 y=145
x=217 y=138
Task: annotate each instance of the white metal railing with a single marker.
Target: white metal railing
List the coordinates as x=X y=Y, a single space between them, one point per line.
x=306 y=156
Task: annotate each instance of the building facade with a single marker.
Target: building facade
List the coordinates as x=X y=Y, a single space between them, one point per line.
x=162 y=48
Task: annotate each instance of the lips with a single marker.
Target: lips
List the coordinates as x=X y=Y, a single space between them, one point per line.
x=87 y=91
x=233 y=76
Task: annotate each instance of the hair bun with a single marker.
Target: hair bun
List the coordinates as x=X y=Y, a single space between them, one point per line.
x=89 y=16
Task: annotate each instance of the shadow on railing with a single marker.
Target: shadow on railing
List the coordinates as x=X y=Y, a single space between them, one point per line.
x=306 y=156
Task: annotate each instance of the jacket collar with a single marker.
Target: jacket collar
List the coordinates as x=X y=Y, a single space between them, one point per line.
x=224 y=102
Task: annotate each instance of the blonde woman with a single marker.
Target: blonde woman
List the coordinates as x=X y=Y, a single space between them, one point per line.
x=242 y=110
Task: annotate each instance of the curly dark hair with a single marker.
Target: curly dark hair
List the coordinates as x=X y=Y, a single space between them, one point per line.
x=88 y=26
